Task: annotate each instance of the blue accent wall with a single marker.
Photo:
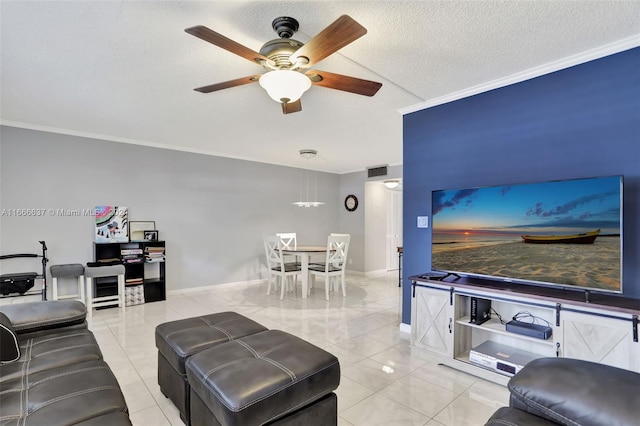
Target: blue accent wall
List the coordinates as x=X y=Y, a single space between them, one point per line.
x=582 y=121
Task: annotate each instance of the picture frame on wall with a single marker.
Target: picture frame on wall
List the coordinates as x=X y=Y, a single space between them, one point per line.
x=138 y=228
x=112 y=224
x=150 y=235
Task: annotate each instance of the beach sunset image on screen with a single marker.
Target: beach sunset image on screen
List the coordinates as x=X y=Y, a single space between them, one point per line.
x=564 y=233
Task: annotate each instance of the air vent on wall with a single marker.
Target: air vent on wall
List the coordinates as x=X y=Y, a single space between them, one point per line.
x=377 y=171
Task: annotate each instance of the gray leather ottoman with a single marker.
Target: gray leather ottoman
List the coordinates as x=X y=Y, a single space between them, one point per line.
x=270 y=378
x=178 y=340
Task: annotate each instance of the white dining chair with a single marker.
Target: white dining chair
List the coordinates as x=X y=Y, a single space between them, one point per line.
x=277 y=268
x=320 y=261
x=335 y=264
x=288 y=240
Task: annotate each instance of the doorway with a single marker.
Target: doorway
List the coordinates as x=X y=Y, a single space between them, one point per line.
x=383 y=227
x=394 y=227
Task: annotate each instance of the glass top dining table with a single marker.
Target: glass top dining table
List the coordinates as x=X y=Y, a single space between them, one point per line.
x=304 y=252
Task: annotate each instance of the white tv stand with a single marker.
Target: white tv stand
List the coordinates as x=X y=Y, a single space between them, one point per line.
x=604 y=329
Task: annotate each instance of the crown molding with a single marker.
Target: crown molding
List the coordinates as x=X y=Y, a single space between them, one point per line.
x=110 y=138
x=568 y=62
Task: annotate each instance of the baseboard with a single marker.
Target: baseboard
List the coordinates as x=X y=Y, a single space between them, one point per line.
x=369 y=274
x=238 y=284
x=376 y=273
x=217 y=286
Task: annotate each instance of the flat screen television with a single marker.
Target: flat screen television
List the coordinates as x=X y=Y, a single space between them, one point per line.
x=564 y=233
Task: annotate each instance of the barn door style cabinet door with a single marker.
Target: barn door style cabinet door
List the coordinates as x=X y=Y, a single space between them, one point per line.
x=598 y=337
x=432 y=320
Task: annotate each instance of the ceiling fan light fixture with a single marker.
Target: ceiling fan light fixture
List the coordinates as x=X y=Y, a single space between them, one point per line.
x=285 y=85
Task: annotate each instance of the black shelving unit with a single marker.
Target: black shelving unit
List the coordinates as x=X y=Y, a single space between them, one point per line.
x=154 y=271
x=144 y=263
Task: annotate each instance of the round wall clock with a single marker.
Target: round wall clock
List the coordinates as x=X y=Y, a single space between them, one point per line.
x=351 y=202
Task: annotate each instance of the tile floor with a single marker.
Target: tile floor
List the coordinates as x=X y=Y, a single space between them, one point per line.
x=384 y=380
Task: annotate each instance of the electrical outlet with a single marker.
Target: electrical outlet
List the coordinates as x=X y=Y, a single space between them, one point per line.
x=350 y=261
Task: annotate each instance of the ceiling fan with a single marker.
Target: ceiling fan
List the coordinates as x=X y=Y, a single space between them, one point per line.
x=289 y=61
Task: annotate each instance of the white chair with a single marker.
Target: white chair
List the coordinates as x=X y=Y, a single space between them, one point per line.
x=335 y=264
x=276 y=264
x=288 y=240
x=334 y=234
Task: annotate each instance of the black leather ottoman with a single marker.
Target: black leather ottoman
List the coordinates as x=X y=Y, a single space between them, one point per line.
x=178 y=340
x=270 y=378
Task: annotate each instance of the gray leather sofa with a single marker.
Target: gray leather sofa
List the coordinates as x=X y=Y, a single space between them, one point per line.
x=52 y=371
x=552 y=391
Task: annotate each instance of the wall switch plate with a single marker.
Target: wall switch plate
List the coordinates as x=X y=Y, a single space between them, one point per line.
x=423 y=221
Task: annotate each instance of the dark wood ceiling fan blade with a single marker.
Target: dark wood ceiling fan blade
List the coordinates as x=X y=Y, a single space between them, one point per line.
x=343 y=31
x=344 y=82
x=290 y=107
x=228 y=84
x=219 y=40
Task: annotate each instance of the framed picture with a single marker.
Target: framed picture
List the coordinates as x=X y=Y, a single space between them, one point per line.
x=137 y=229
x=150 y=235
x=112 y=224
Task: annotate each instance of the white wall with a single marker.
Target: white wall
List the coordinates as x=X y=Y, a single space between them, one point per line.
x=211 y=211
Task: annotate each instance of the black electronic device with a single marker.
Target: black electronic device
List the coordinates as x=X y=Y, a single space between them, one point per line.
x=538 y=331
x=480 y=310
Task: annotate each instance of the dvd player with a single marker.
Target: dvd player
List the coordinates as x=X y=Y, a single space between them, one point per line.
x=499 y=357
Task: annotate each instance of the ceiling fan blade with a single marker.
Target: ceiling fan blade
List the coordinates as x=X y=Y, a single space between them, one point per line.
x=219 y=40
x=290 y=107
x=228 y=84
x=343 y=31
x=344 y=82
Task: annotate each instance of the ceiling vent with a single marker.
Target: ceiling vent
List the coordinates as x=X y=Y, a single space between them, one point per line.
x=377 y=171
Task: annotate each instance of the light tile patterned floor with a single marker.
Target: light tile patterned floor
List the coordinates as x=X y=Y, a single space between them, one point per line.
x=384 y=380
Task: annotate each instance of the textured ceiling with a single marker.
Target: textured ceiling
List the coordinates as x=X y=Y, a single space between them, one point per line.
x=125 y=71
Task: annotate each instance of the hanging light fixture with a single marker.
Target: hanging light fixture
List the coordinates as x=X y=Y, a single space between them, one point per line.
x=308 y=154
x=285 y=86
